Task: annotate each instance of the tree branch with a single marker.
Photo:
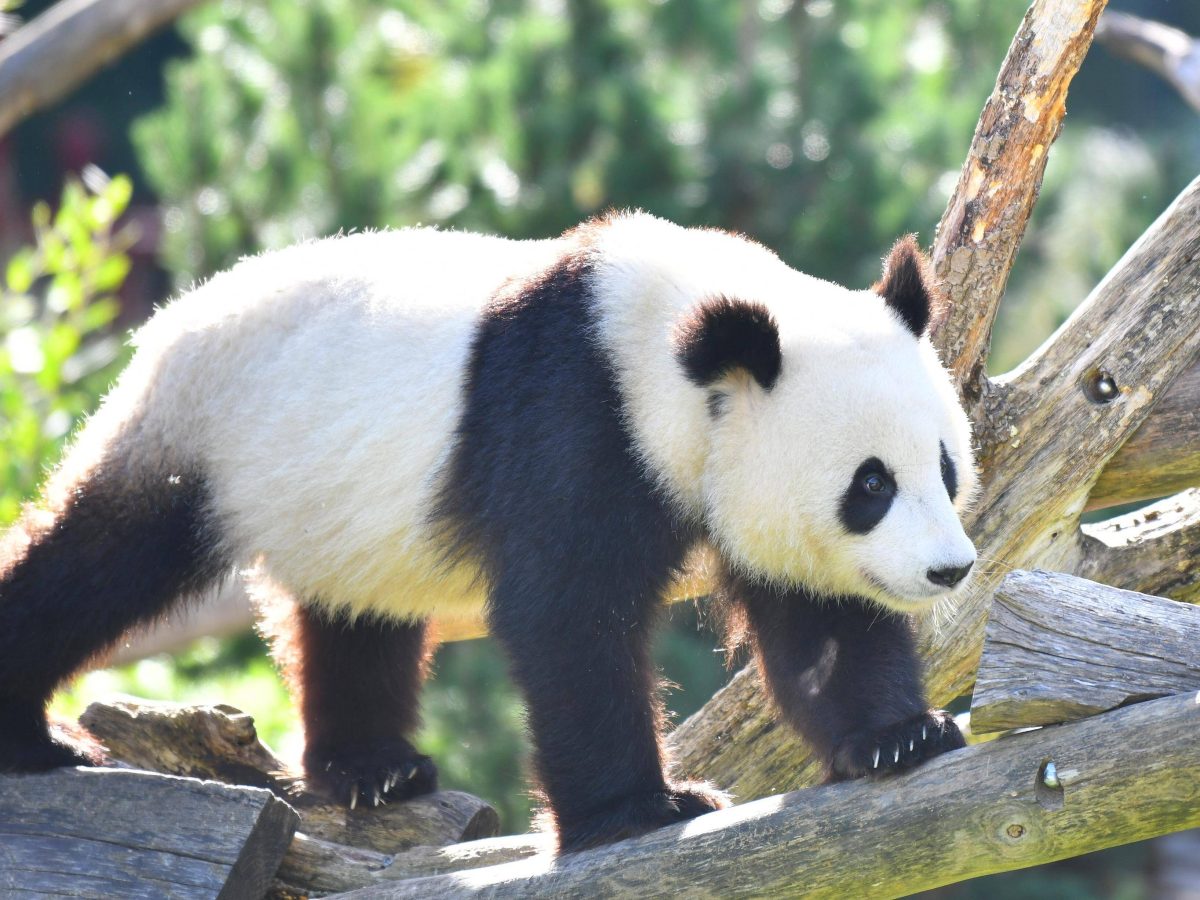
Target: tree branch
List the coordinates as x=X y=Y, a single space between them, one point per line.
x=981 y=230
x=1127 y=775
x=46 y=58
x=1167 y=51
x=1059 y=648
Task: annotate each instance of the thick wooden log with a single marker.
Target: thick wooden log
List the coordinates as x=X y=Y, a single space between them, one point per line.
x=221 y=743
x=1049 y=429
x=1059 y=648
x=981 y=230
x=120 y=833
x=42 y=61
x=1124 y=776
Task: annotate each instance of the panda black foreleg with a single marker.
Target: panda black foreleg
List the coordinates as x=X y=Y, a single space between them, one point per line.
x=845 y=674
x=357 y=683
x=582 y=660
x=75 y=578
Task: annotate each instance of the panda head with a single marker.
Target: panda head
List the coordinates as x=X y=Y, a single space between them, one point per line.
x=839 y=458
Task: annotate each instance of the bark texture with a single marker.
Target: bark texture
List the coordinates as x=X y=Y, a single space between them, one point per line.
x=1126 y=775
x=1059 y=648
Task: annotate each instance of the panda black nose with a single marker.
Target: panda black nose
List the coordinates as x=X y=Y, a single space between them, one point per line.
x=949 y=576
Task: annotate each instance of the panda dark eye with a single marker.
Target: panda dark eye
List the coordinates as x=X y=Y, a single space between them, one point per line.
x=875 y=483
x=868 y=496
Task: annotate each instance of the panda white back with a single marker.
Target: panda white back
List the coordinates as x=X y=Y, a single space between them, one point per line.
x=318 y=388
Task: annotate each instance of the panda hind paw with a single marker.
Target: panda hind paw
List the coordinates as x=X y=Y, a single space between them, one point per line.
x=366 y=777
x=44 y=755
x=898 y=747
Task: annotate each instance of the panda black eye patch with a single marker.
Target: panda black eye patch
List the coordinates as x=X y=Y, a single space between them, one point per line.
x=949 y=473
x=868 y=498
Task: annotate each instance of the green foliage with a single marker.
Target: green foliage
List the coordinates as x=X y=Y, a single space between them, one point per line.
x=57 y=347
x=822 y=129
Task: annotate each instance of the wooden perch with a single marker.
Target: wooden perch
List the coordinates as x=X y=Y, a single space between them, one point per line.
x=221 y=743
x=43 y=60
x=1059 y=648
x=119 y=833
x=1127 y=775
x=1170 y=53
x=319 y=867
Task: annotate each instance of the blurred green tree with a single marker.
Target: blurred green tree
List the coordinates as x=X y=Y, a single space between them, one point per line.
x=58 y=350
x=821 y=129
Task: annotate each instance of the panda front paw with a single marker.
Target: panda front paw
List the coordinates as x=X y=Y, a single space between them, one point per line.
x=896 y=748
x=640 y=814
x=369 y=775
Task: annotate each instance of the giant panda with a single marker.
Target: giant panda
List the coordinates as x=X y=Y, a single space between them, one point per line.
x=395 y=426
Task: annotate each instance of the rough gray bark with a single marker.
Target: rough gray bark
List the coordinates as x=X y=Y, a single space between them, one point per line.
x=1059 y=648
x=1126 y=775
x=321 y=867
x=43 y=60
x=120 y=833
x=221 y=743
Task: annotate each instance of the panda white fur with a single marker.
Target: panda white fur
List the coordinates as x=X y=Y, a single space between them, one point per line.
x=398 y=425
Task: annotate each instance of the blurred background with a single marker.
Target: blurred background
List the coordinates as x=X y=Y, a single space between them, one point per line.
x=822 y=129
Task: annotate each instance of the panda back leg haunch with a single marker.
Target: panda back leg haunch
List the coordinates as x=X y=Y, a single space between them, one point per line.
x=846 y=676
x=357 y=683
x=117 y=552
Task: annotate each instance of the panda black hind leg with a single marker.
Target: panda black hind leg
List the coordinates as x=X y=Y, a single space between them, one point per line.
x=115 y=552
x=357 y=683
x=845 y=674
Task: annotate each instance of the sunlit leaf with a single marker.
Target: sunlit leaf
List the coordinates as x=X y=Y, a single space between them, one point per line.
x=20 y=271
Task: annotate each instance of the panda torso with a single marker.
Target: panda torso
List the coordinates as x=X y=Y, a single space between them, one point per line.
x=320 y=392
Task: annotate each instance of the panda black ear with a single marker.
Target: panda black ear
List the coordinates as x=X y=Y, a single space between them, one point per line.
x=907 y=285
x=721 y=335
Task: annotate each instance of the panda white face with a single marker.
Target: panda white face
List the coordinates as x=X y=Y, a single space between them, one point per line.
x=848 y=475
x=802 y=422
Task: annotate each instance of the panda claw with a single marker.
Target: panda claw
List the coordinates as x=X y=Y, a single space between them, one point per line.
x=375 y=796
x=924 y=730
x=875 y=764
x=410 y=771
x=896 y=756
x=354 y=796
x=910 y=745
